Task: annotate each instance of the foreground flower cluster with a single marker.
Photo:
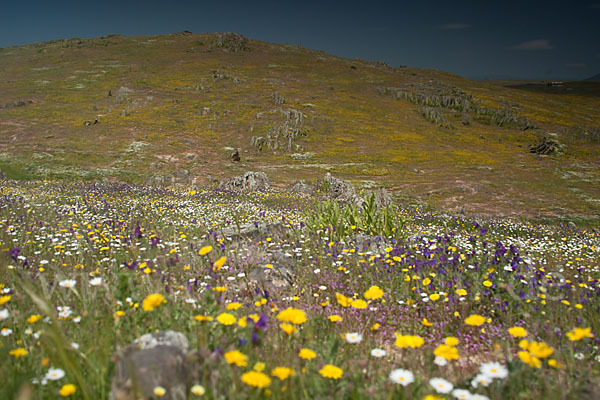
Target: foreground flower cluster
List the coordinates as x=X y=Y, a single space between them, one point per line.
x=451 y=308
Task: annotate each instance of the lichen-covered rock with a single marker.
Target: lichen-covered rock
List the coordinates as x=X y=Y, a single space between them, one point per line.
x=301 y=187
x=279 y=274
x=338 y=189
x=250 y=181
x=157 y=359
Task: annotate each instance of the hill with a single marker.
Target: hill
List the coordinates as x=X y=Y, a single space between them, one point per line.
x=595 y=78
x=171 y=109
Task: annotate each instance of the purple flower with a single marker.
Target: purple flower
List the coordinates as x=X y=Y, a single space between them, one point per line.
x=14 y=253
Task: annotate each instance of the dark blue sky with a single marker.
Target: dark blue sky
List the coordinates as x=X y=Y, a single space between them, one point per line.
x=519 y=39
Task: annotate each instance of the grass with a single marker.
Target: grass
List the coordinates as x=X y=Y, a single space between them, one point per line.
x=388 y=136
x=424 y=279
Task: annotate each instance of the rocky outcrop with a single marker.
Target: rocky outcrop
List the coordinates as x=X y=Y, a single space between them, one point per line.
x=253 y=231
x=250 y=181
x=157 y=359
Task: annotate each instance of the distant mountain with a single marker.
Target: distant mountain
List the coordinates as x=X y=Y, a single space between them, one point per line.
x=595 y=78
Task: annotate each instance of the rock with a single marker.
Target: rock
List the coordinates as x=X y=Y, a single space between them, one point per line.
x=163 y=338
x=302 y=156
x=338 y=189
x=571 y=225
x=547 y=145
x=281 y=275
x=258 y=142
x=382 y=198
x=235 y=155
x=230 y=41
x=301 y=187
x=250 y=181
x=254 y=231
x=157 y=359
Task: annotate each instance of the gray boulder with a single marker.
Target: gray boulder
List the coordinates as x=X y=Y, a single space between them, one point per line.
x=280 y=276
x=157 y=359
x=338 y=189
x=250 y=181
x=302 y=188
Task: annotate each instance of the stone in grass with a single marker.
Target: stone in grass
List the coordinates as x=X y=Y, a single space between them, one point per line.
x=280 y=273
x=250 y=181
x=159 y=359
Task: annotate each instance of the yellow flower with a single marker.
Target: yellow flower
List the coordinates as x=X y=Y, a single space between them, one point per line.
x=283 y=372
x=475 y=320
x=18 y=352
x=434 y=296
x=205 y=250
x=373 y=293
x=375 y=326
x=220 y=289
x=426 y=322
x=517 y=331
x=426 y=281
x=580 y=333
x=152 y=301
x=243 y=322
x=540 y=349
x=259 y=366
x=359 y=304
x=529 y=359
x=288 y=328
x=307 y=354
x=236 y=357
x=451 y=341
x=292 y=315
x=67 y=390
x=34 y=318
x=198 y=390
x=233 y=306
x=524 y=344
x=159 y=391
x=4 y=299
x=331 y=371
x=226 y=318
x=447 y=352
x=203 y=318
x=487 y=283
x=461 y=292
x=404 y=341
x=555 y=364
x=432 y=397
x=343 y=300
x=256 y=379
x=335 y=318
x=219 y=263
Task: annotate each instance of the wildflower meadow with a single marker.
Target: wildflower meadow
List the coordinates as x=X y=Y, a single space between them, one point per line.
x=420 y=306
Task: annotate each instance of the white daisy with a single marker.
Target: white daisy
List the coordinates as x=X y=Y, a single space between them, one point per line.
x=462 y=394
x=494 y=370
x=477 y=396
x=67 y=283
x=441 y=385
x=378 y=353
x=481 y=379
x=402 y=377
x=96 y=281
x=54 y=374
x=440 y=361
x=4 y=314
x=354 y=337
x=6 y=332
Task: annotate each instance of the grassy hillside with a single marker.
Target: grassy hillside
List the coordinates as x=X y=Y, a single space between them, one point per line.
x=178 y=101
